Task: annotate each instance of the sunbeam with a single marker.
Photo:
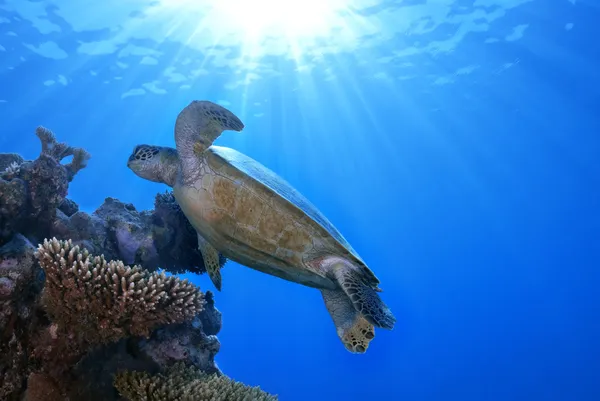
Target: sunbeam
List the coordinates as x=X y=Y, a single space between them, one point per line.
x=261 y=25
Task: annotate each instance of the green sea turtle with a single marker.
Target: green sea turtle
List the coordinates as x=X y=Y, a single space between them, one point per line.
x=252 y=216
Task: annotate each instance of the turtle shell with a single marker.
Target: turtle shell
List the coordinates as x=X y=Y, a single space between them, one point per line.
x=268 y=178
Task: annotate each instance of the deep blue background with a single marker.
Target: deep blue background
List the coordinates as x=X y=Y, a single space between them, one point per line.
x=476 y=203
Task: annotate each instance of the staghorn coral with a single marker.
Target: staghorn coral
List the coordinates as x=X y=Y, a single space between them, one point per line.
x=97 y=302
x=185 y=383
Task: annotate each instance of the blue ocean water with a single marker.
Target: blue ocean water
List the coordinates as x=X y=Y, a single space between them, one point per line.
x=455 y=144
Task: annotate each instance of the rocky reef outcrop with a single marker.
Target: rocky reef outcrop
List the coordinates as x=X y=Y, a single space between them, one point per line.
x=34 y=203
x=90 y=304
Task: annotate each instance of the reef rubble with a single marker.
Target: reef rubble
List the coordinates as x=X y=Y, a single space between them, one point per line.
x=91 y=307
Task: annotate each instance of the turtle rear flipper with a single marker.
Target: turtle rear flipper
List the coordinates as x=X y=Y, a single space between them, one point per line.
x=352 y=328
x=365 y=299
x=200 y=123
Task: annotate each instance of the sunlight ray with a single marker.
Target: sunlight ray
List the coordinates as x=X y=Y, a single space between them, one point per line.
x=252 y=24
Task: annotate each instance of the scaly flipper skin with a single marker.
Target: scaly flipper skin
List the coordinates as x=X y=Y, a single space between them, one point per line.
x=200 y=123
x=364 y=298
x=352 y=328
x=211 y=261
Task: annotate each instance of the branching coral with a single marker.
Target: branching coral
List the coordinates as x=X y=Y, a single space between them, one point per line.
x=100 y=301
x=10 y=171
x=185 y=383
x=59 y=150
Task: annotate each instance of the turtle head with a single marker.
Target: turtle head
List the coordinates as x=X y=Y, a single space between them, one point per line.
x=154 y=163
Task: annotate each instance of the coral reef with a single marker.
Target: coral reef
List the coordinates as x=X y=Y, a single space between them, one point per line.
x=95 y=301
x=182 y=342
x=160 y=237
x=30 y=191
x=70 y=321
x=42 y=387
x=185 y=383
x=33 y=203
x=20 y=285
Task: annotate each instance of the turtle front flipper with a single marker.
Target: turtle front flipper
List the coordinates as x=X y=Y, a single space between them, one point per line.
x=365 y=299
x=352 y=328
x=200 y=123
x=211 y=261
